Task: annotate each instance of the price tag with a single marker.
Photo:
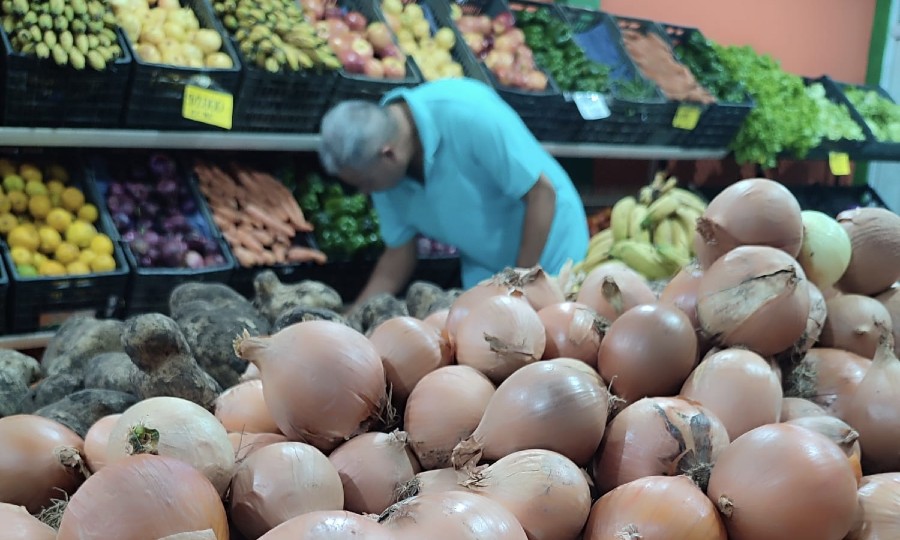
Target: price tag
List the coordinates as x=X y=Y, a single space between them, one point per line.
x=840 y=163
x=591 y=105
x=686 y=117
x=207 y=106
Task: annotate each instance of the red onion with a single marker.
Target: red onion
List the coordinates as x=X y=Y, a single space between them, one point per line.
x=875 y=259
x=852 y=324
x=612 y=288
x=573 y=331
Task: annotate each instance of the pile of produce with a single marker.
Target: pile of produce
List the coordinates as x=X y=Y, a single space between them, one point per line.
x=164 y=32
x=834 y=120
x=274 y=35
x=699 y=55
x=431 y=51
x=257 y=215
x=80 y=33
x=881 y=114
x=156 y=214
x=47 y=223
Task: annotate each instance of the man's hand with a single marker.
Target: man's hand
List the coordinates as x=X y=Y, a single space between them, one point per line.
x=540 y=207
x=393 y=270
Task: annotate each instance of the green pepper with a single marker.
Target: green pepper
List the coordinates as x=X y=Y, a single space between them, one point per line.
x=346 y=225
x=309 y=202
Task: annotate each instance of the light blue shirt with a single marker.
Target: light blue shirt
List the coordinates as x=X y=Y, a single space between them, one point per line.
x=479 y=161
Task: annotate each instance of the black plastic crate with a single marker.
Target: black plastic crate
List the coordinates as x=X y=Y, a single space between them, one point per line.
x=720 y=122
x=874 y=149
x=149 y=287
x=358 y=86
x=4 y=292
x=292 y=101
x=156 y=91
x=39 y=93
x=437 y=13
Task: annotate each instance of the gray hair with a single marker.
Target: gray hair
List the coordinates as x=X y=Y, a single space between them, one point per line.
x=353 y=133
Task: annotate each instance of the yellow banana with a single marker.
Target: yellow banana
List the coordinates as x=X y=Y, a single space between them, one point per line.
x=688 y=217
x=689 y=199
x=661 y=209
x=680 y=238
x=620 y=217
x=658 y=180
x=674 y=259
x=669 y=185
x=663 y=233
x=646 y=195
x=603 y=240
x=643 y=258
x=636 y=231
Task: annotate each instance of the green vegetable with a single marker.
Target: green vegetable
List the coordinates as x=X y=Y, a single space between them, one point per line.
x=699 y=55
x=834 y=119
x=881 y=114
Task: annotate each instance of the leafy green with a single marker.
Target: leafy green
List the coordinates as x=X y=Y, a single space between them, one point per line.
x=699 y=55
x=834 y=118
x=881 y=114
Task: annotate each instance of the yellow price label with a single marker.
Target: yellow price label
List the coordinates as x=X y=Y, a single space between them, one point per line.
x=686 y=117
x=207 y=106
x=839 y=163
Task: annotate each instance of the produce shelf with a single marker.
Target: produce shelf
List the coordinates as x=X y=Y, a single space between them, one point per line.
x=30 y=340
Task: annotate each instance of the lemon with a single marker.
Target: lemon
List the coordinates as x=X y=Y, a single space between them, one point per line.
x=59 y=219
x=55 y=187
x=21 y=256
x=18 y=201
x=50 y=239
x=80 y=233
x=6 y=167
x=77 y=268
x=5 y=205
x=58 y=173
x=38 y=259
x=51 y=268
x=102 y=244
x=39 y=206
x=27 y=270
x=33 y=188
x=103 y=263
x=7 y=223
x=25 y=236
x=13 y=182
x=30 y=173
x=66 y=253
x=86 y=256
x=72 y=199
x=88 y=213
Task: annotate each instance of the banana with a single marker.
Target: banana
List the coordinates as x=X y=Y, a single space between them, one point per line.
x=687 y=218
x=636 y=231
x=680 y=238
x=659 y=210
x=674 y=259
x=603 y=240
x=658 y=180
x=645 y=196
x=689 y=199
x=594 y=260
x=643 y=258
x=620 y=217
x=663 y=233
x=669 y=185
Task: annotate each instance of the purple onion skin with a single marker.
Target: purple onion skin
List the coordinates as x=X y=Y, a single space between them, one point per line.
x=162 y=165
x=193 y=260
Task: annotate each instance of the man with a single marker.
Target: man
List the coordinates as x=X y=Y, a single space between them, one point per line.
x=451 y=160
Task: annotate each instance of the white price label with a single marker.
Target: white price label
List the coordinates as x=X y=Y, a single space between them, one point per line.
x=591 y=105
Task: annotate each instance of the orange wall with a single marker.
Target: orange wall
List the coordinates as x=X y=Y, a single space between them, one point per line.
x=809 y=37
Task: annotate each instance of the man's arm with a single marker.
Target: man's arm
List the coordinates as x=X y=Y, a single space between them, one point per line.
x=394 y=268
x=540 y=206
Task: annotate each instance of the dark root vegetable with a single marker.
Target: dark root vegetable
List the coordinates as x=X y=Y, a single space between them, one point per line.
x=875 y=260
x=612 y=288
x=853 y=324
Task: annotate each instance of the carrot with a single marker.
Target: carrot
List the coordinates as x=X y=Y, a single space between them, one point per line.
x=270 y=223
x=305 y=254
x=280 y=252
x=222 y=223
x=246 y=239
x=227 y=213
x=244 y=256
x=267 y=257
x=265 y=237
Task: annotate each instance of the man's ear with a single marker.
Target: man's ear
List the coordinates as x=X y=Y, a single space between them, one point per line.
x=388 y=151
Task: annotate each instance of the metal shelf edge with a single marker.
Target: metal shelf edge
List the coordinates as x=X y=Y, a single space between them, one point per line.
x=22 y=342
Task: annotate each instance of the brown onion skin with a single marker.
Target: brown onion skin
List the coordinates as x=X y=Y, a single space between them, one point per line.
x=756 y=211
x=739 y=387
x=879 y=498
x=793 y=408
x=682 y=292
x=573 y=331
x=242 y=409
x=875 y=259
x=891 y=300
x=96 y=440
x=18 y=524
x=329 y=525
x=852 y=324
x=653 y=437
x=838 y=432
x=436 y=481
x=648 y=351
x=784 y=482
x=438 y=320
x=633 y=287
x=409 y=349
x=245 y=444
x=829 y=377
x=655 y=508
x=30 y=468
x=468 y=300
x=453 y=515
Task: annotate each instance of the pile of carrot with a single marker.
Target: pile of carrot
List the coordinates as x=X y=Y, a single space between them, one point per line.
x=257 y=214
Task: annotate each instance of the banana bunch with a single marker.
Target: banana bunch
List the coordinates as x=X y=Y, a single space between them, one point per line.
x=652 y=233
x=77 y=33
x=275 y=35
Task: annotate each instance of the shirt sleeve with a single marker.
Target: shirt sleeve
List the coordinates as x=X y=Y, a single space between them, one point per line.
x=395 y=228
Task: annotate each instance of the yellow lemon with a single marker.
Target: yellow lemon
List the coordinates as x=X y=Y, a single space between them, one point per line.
x=80 y=233
x=7 y=167
x=5 y=205
x=33 y=188
x=72 y=199
x=18 y=201
x=21 y=256
x=66 y=253
x=25 y=236
x=13 y=182
x=103 y=263
x=39 y=206
x=30 y=173
x=86 y=256
x=27 y=270
x=50 y=239
x=77 y=268
x=55 y=187
x=102 y=244
x=7 y=223
x=58 y=172
x=51 y=268
x=88 y=213
x=59 y=219
x=38 y=259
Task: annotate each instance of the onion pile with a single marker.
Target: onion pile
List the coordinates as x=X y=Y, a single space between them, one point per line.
x=333 y=525
x=242 y=409
x=682 y=292
x=852 y=324
x=471 y=298
x=573 y=331
x=838 y=432
x=18 y=524
x=828 y=377
x=879 y=499
x=825 y=252
x=793 y=408
x=891 y=300
x=875 y=259
x=409 y=350
x=451 y=515
x=612 y=288
x=245 y=444
x=97 y=440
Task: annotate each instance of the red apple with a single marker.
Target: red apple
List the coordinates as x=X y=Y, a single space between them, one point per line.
x=503 y=22
x=394 y=68
x=467 y=25
x=484 y=24
x=352 y=61
x=504 y=43
x=356 y=21
x=337 y=27
x=391 y=50
x=362 y=48
x=374 y=69
x=505 y=75
x=535 y=80
x=524 y=57
x=333 y=12
x=340 y=43
x=498 y=58
x=379 y=35
x=475 y=42
x=517 y=36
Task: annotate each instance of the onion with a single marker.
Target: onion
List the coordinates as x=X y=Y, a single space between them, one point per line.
x=872 y=409
x=682 y=292
x=464 y=303
x=409 y=350
x=784 y=482
x=612 y=288
x=659 y=437
x=739 y=387
x=251 y=373
x=436 y=481
x=331 y=525
x=648 y=351
x=322 y=380
x=815 y=322
x=242 y=409
x=540 y=289
x=18 y=524
x=756 y=297
x=828 y=377
x=178 y=428
x=838 y=432
x=245 y=444
x=793 y=408
x=891 y=300
x=434 y=428
x=279 y=482
x=656 y=507
x=40 y=460
x=825 y=252
x=142 y=497
x=438 y=320
x=875 y=260
x=547 y=493
x=546 y=405
x=451 y=515
x=499 y=336
x=373 y=468
x=96 y=441
x=852 y=324
x=879 y=499
x=753 y=212
x=573 y=331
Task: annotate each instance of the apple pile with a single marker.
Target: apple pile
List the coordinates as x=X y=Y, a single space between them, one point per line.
x=362 y=47
x=502 y=47
x=431 y=52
